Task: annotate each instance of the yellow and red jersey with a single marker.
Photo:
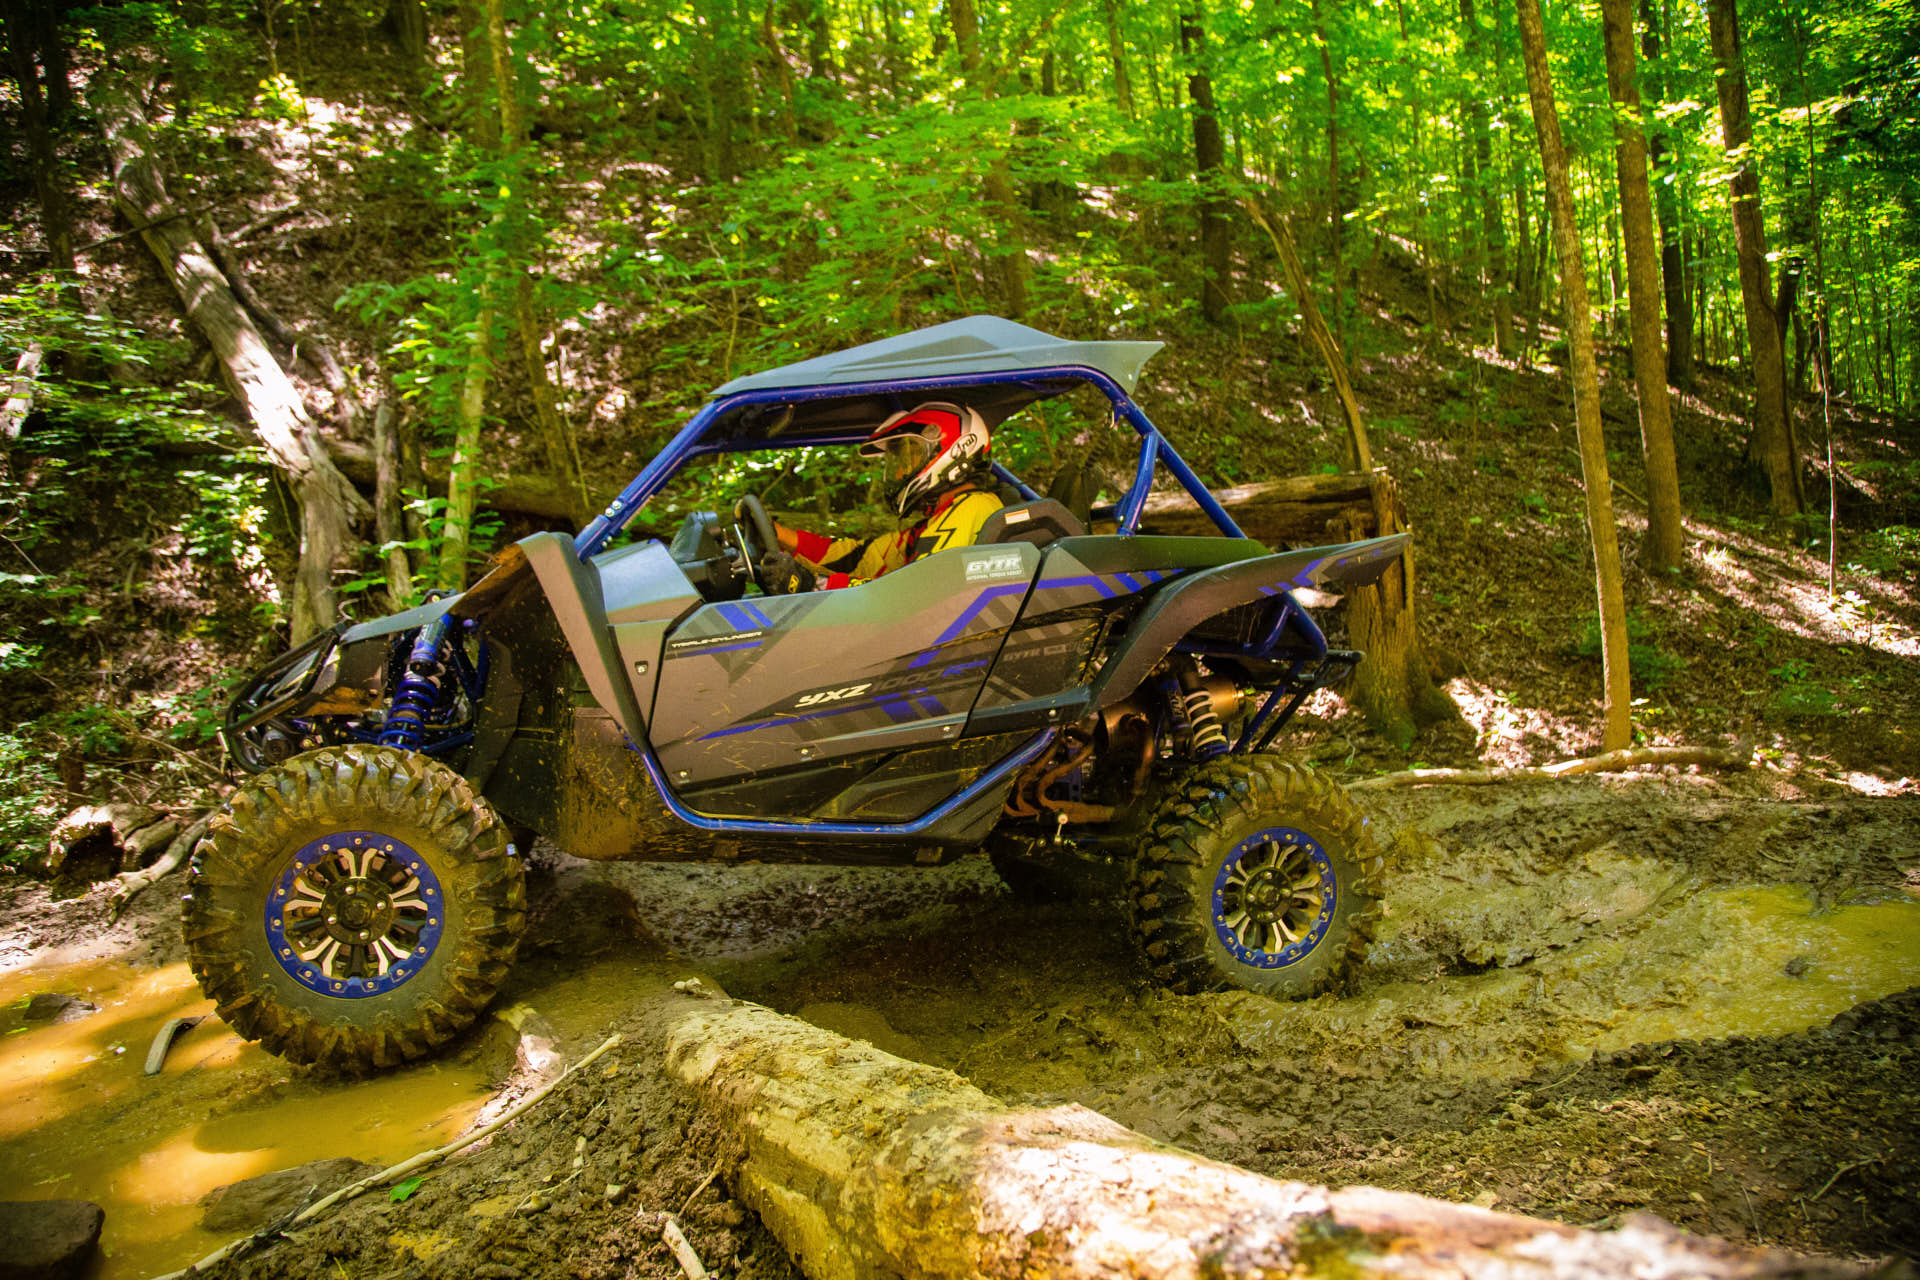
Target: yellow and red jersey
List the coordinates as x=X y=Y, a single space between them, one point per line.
x=845 y=562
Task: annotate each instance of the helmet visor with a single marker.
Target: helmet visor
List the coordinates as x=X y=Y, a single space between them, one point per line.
x=904 y=454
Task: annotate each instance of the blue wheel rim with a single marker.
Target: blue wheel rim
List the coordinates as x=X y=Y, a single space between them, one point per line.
x=355 y=914
x=1273 y=898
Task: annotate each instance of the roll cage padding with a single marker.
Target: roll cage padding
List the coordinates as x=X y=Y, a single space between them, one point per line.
x=1177 y=609
x=573 y=592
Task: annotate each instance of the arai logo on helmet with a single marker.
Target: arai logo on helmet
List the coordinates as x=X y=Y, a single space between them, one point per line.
x=1000 y=564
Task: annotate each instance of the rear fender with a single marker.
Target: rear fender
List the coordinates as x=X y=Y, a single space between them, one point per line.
x=1177 y=609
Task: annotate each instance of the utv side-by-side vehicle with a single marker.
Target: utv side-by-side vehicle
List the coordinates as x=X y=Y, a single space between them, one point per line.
x=1053 y=690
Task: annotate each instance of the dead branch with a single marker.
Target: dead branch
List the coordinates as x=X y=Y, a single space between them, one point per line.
x=1610 y=762
x=683 y=1253
x=19 y=401
x=129 y=885
x=270 y=218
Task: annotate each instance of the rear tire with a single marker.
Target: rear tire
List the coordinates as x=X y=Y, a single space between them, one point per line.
x=1257 y=873
x=354 y=908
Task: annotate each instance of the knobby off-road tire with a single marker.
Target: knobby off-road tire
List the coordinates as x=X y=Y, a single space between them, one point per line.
x=1257 y=873
x=339 y=845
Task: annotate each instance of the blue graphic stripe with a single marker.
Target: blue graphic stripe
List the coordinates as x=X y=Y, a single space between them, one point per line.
x=885 y=701
x=967 y=615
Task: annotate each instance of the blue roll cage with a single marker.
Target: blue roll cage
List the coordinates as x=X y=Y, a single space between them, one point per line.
x=691 y=443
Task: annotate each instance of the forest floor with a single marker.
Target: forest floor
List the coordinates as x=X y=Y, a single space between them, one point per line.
x=1690 y=995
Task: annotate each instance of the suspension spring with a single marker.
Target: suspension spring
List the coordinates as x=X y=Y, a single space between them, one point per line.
x=417 y=692
x=1204 y=732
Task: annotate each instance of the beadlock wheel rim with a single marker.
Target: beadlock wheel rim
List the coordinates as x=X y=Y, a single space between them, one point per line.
x=1273 y=898
x=355 y=914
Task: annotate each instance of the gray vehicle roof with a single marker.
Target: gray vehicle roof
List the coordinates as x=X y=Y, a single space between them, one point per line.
x=977 y=344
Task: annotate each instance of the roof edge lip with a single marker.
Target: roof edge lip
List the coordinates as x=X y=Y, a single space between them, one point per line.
x=979 y=344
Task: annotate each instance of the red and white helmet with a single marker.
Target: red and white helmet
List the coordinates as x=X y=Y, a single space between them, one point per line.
x=930 y=449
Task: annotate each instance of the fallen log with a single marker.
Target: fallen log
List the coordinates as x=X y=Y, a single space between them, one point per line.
x=1609 y=762
x=519 y=497
x=329 y=504
x=1294 y=509
x=863 y=1164
x=99 y=840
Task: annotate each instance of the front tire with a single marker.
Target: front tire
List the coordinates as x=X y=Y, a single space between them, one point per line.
x=1256 y=873
x=354 y=908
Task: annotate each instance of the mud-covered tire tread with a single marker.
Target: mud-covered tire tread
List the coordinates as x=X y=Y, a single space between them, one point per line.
x=348 y=787
x=1171 y=878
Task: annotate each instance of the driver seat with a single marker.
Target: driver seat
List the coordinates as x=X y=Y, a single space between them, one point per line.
x=1039 y=521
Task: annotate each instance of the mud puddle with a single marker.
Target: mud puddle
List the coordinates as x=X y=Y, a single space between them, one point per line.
x=83 y=1121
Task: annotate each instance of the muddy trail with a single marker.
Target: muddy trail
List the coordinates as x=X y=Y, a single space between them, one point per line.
x=1695 y=996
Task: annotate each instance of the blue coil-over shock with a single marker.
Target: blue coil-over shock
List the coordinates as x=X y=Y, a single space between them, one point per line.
x=417 y=693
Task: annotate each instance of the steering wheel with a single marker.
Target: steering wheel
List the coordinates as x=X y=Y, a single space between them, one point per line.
x=756 y=538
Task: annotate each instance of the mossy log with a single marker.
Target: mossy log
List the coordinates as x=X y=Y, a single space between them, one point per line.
x=863 y=1164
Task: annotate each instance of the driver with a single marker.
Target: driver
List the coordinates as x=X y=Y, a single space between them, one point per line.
x=936 y=458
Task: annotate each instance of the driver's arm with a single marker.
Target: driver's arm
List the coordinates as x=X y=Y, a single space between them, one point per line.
x=844 y=562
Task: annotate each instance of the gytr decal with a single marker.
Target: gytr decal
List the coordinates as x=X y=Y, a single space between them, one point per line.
x=832 y=695
x=1004 y=564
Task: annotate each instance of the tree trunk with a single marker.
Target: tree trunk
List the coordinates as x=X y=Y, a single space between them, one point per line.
x=1498 y=287
x=1393 y=688
x=1209 y=153
x=328 y=503
x=1664 y=546
x=463 y=476
x=783 y=74
x=1673 y=266
x=1011 y=253
x=1416 y=109
x=1116 y=54
x=556 y=441
x=1772 y=434
x=864 y=1164
x=389 y=524
x=1618 y=730
x=406 y=22
x=1336 y=210
x=21 y=31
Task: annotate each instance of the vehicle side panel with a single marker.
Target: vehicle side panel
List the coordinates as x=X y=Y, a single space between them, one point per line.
x=778 y=683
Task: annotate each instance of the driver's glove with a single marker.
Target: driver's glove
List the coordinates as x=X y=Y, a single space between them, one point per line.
x=784 y=575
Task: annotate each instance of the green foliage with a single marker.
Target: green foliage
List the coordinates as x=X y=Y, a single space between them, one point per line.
x=27 y=790
x=1652 y=667
x=1799 y=694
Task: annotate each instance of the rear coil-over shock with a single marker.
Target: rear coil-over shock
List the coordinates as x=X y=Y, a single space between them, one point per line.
x=1204 y=732
x=417 y=692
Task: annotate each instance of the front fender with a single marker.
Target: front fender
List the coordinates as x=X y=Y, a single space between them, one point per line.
x=1177 y=609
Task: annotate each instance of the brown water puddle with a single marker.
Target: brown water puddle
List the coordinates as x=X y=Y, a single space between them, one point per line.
x=82 y=1121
